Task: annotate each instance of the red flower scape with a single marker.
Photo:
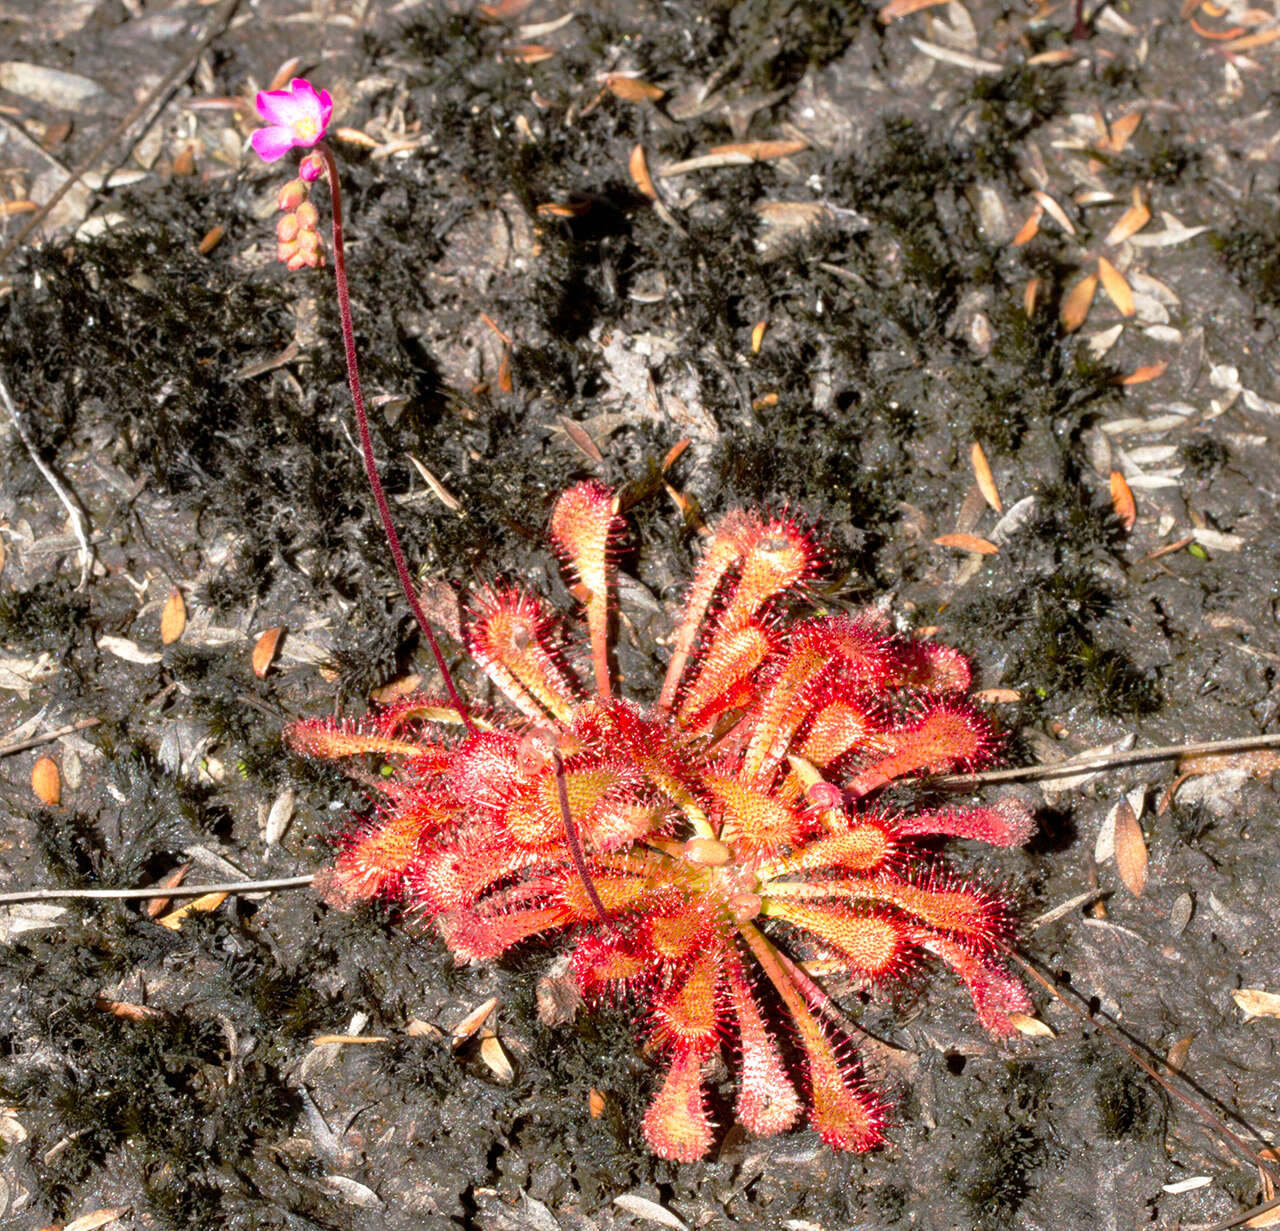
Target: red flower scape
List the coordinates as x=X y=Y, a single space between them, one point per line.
x=684 y=847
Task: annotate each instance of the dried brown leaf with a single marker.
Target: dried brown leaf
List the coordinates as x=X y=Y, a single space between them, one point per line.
x=757 y=336
x=93 y=1220
x=674 y=453
x=354 y=136
x=211 y=239
x=468 y=1026
x=904 y=8
x=578 y=435
x=1177 y=1055
x=264 y=650
x=1131 y=850
x=992 y=696
x=1124 y=128
x=1032 y=1027
x=639 y=168
x=1254 y=1002
x=563 y=209
x=206 y=902
x=504 y=10
x=1059 y=55
x=158 y=905
x=1054 y=210
x=288 y=69
x=46 y=782
x=1247 y=43
x=1122 y=501
x=968 y=542
x=127 y=1011
x=1029 y=229
x=130 y=651
x=438 y=489
x=1078 y=301
x=1216 y=35
x=1116 y=287
x=986 y=480
x=530 y=53
x=1148 y=371
x=632 y=89
x=488 y=320
x=173 y=617
x=1128 y=224
x=495 y=1059
x=1029 y=296
x=760 y=150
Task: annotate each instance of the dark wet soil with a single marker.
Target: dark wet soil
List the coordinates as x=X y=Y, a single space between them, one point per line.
x=526 y=317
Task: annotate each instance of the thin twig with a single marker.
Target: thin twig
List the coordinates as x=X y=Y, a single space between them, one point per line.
x=155 y=99
x=158 y=891
x=73 y=509
x=1063 y=908
x=35 y=741
x=1267 y=1166
x=1110 y=760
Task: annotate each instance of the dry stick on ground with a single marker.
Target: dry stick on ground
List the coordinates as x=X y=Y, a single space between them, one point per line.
x=158 y=891
x=149 y=107
x=73 y=508
x=23 y=745
x=1112 y=760
x=1198 y=1104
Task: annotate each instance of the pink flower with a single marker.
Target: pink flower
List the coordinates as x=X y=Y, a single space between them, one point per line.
x=296 y=118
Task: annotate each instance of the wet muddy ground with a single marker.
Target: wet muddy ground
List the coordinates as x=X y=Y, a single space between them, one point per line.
x=952 y=186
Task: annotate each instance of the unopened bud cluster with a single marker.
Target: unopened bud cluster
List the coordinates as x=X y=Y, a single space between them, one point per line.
x=297 y=234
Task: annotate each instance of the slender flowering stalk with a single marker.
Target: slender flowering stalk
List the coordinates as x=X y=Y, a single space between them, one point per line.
x=297 y=118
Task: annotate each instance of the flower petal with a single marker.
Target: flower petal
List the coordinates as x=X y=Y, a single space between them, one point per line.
x=282 y=108
x=318 y=102
x=272 y=143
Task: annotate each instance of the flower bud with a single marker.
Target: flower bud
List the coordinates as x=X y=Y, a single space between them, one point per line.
x=287 y=228
x=311 y=168
x=293 y=194
x=307 y=216
x=300 y=260
x=285 y=252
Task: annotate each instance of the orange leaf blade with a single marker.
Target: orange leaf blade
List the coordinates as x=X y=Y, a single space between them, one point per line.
x=1075 y=307
x=46 y=782
x=639 y=168
x=968 y=542
x=1116 y=287
x=264 y=651
x=986 y=480
x=1131 y=850
x=632 y=89
x=1122 y=501
x=173 y=619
